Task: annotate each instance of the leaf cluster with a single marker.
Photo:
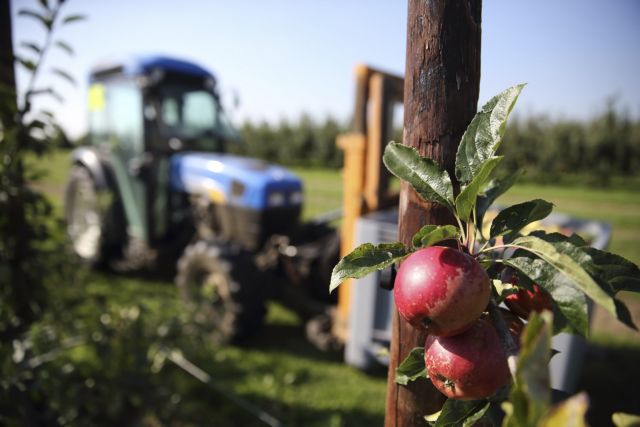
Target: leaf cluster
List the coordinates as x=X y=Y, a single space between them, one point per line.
x=564 y=266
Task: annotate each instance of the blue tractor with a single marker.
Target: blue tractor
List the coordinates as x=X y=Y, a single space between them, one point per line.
x=155 y=185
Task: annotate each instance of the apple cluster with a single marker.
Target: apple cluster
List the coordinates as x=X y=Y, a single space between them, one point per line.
x=445 y=292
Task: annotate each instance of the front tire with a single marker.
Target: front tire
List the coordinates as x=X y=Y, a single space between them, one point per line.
x=222 y=290
x=90 y=217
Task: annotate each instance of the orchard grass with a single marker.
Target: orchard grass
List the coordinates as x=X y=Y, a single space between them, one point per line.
x=284 y=375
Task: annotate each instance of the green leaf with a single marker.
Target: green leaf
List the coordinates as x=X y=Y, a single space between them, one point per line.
x=465 y=413
x=32 y=47
x=490 y=193
x=609 y=271
x=44 y=20
x=620 y=273
x=366 y=259
x=569 y=260
x=45 y=91
x=431 y=234
x=27 y=63
x=431 y=419
x=68 y=77
x=570 y=301
x=569 y=413
x=73 y=18
x=467 y=198
x=530 y=394
x=36 y=124
x=503 y=290
x=412 y=367
x=484 y=134
x=65 y=47
x=424 y=175
x=621 y=419
x=514 y=218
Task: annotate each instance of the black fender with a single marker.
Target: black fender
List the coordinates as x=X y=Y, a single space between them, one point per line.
x=89 y=158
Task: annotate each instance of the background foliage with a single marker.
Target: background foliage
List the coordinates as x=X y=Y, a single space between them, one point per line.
x=550 y=150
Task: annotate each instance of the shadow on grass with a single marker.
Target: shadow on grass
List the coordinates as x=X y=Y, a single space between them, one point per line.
x=277 y=370
x=265 y=386
x=611 y=377
x=202 y=406
x=283 y=332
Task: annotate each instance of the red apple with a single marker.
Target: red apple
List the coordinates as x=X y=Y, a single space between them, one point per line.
x=442 y=291
x=468 y=366
x=523 y=302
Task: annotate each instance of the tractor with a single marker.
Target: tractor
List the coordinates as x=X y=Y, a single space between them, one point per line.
x=155 y=184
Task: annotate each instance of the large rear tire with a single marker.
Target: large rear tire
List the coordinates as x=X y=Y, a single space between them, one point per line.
x=222 y=290
x=91 y=219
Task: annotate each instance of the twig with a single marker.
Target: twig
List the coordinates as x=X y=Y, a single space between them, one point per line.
x=41 y=56
x=67 y=344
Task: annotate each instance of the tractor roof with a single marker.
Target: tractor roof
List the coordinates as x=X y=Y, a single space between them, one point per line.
x=140 y=65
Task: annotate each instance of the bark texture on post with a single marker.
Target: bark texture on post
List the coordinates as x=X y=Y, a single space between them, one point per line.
x=442 y=80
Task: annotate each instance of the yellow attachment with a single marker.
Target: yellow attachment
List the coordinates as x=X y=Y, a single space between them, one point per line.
x=217 y=196
x=96 y=97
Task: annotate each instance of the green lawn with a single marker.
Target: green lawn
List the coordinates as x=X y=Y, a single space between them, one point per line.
x=618 y=207
x=279 y=371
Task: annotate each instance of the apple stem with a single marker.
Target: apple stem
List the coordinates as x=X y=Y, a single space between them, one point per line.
x=510 y=348
x=461 y=227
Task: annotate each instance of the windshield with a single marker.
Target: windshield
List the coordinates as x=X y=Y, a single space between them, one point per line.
x=195 y=116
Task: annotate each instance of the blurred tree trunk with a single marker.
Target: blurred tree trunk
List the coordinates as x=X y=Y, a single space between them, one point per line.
x=14 y=229
x=7 y=72
x=442 y=80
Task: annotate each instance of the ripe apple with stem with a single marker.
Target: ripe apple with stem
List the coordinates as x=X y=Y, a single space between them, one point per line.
x=468 y=366
x=441 y=290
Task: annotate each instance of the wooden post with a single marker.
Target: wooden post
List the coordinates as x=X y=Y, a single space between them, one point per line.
x=441 y=88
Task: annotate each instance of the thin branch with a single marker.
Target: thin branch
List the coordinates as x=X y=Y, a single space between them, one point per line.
x=461 y=227
x=40 y=61
x=470 y=236
x=482 y=248
x=493 y=248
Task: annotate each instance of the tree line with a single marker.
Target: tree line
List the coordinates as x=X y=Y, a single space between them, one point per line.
x=547 y=149
x=597 y=150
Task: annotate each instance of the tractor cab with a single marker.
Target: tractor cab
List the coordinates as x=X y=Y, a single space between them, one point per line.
x=158 y=104
x=155 y=169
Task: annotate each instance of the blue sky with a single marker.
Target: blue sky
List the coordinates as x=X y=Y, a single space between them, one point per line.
x=287 y=57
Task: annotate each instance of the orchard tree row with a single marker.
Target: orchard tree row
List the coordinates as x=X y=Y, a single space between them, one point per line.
x=606 y=145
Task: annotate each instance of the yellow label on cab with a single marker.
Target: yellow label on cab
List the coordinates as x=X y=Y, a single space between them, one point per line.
x=96 y=97
x=216 y=196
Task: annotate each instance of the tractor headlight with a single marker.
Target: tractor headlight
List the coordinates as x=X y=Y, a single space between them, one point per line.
x=295 y=198
x=275 y=199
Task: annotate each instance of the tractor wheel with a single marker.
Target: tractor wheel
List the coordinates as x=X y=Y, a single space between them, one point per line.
x=91 y=221
x=222 y=291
